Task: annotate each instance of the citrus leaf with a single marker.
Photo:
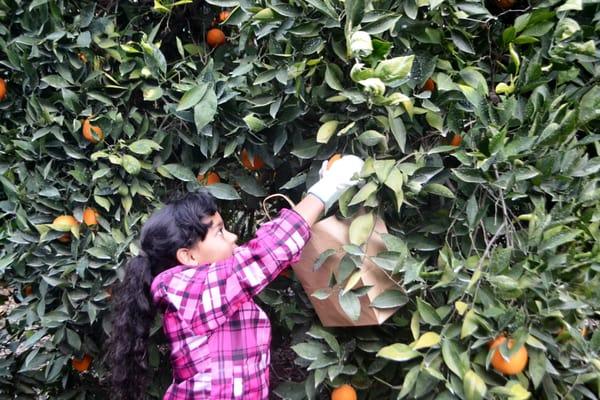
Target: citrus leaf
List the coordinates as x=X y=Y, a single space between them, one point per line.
x=398 y=352
x=192 y=97
x=361 y=228
x=427 y=340
x=474 y=386
x=390 y=299
x=326 y=131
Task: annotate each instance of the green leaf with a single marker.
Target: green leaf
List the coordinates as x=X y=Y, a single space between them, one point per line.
x=364 y=193
x=352 y=281
x=390 y=299
x=435 y=120
x=589 y=106
x=322 y=258
x=469 y=325
x=144 y=146
x=451 y=358
x=398 y=130
x=439 y=190
x=334 y=76
x=180 y=172
x=192 y=97
x=326 y=131
x=309 y=351
x=537 y=367
x=361 y=228
x=205 y=110
x=398 y=352
x=350 y=304
x=223 y=191
x=355 y=10
x=325 y=8
x=371 y=138
x=33 y=339
x=558 y=240
x=56 y=81
x=152 y=93
x=462 y=42
x=394 y=68
x=322 y=294
x=131 y=164
x=428 y=313
x=250 y=185
x=409 y=382
x=474 y=386
x=427 y=340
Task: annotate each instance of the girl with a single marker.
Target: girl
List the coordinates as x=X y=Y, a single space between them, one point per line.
x=191 y=269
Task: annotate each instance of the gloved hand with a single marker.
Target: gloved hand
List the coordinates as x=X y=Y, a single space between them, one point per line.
x=335 y=180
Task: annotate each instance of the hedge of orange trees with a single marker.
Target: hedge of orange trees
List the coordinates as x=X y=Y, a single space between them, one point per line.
x=479 y=124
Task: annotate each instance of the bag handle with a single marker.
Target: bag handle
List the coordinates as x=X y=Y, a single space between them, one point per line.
x=264 y=202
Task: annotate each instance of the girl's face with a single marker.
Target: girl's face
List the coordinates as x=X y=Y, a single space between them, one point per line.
x=218 y=244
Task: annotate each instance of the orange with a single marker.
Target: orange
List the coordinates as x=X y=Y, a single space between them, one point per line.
x=82 y=57
x=28 y=290
x=83 y=364
x=87 y=131
x=333 y=159
x=223 y=15
x=215 y=37
x=254 y=165
x=90 y=216
x=515 y=364
x=505 y=4
x=2 y=89
x=209 y=179
x=456 y=140
x=429 y=85
x=344 y=392
x=64 y=223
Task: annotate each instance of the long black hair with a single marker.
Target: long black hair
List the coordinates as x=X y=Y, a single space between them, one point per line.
x=176 y=225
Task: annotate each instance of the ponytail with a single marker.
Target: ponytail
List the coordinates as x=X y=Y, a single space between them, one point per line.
x=128 y=345
x=177 y=225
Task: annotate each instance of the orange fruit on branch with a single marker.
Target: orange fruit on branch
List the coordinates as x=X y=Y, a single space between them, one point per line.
x=64 y=223
x=82 y=364
x=215 y=37
x=2 y=89
x=90 y=216
x=429 y=85
x=456 y=140
x=515 y=364
x=88 y=128
x=208 y=179
x=505 y=4
x=344 y=392
x=223 y=15
x=333 y=159
x=253 y=165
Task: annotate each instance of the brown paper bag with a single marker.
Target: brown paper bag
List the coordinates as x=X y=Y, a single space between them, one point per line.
x=332 y=233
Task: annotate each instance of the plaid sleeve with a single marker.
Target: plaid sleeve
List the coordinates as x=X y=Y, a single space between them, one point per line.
x=232 y=282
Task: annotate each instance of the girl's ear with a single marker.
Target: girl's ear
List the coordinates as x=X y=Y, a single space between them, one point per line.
x=185 y=257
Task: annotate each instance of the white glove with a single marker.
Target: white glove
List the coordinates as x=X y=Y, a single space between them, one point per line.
x=334 y=181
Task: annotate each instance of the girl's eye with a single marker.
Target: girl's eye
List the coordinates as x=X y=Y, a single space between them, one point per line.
x=221 y=231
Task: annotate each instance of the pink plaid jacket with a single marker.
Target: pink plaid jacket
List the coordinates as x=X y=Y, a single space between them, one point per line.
x=219 y=337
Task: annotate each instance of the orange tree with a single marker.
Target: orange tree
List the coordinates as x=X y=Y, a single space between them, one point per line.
x=479 y=125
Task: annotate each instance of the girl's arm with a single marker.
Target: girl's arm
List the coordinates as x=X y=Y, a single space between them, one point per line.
x=310 y=208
